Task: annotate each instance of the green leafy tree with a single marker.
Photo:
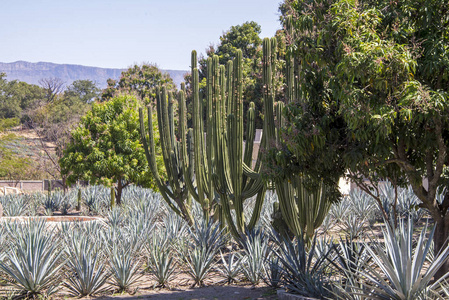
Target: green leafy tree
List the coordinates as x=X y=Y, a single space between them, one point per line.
x=16 y=97
x=84 y=90
x=105 y=148
x=141 y=80
x=371 y=97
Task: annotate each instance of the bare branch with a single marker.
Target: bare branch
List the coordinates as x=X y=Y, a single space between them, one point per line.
x=52 y=87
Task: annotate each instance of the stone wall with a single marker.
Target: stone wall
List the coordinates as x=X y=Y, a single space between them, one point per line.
x=29 y=185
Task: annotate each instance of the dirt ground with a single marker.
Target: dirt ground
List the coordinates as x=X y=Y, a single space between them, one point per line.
x=181 y=289
x=214 y=292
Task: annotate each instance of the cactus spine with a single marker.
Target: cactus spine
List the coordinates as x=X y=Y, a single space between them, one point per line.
x=303 y=211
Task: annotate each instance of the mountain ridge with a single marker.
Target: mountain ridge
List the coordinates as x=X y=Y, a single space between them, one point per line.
x=31 y=72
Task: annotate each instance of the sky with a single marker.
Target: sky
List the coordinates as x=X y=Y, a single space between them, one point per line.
x=120 y=33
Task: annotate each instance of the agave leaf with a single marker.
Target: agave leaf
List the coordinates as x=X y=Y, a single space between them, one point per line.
x=32 y=260
x=402 y=266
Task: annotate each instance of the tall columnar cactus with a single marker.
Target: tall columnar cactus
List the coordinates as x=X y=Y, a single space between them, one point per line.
x=176 y=194
x=198 y=159
x=233 y=178
x=302 y=210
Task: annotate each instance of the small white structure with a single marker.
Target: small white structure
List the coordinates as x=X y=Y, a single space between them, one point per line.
x=5 y=190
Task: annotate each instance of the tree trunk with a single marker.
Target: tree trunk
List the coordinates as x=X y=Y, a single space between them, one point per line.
x=440 y=240
x=64 y=184
x=118 y=194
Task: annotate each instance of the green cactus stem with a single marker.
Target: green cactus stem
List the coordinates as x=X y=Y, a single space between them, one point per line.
x=233 y=178
x=302 y=210
x=174 y=189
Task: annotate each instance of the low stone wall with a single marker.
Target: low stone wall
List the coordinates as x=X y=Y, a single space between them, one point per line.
x=29 y=185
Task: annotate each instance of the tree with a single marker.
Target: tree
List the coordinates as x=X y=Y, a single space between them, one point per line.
x=84 y=90
x=16 y=97
x=141 y=80
x=52 y=87
x=371 y=97
x=244 y=37
x=105 y=148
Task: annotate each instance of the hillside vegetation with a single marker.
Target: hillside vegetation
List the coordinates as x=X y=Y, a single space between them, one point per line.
x=36 y=120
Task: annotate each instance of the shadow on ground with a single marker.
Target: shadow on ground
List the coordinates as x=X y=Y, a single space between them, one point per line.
x=203 y=293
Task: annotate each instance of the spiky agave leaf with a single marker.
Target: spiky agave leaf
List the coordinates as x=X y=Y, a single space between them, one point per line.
x=87 y=272
x=207 y=235
x=349 y=258
x=124 y=267
x=116 y=216
x=32 y=261
x=273 y=271
x=399 y=270
x=14 y=205
x=175 y=226
x=231 y=266
x=161 y=264
x=199 y=263
x=206 y=239
x=256 y=250
x=139 y=226
x=304 y=272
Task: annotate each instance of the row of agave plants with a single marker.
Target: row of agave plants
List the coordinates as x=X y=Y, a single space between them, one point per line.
x=94 y=200
x=144 y=238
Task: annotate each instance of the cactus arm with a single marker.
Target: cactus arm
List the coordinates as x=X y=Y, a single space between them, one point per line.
x=237 y=147
x=257 y=209
x=284 y=190
x=165 y=192
x=253 y=189
x=171 y=123
x=228 y=216
x=162 y=121
x=167 y=129
x=279 y=106
x=302 y=211
x=250 y=135
x=249 y=172
x=286 y=195
x=186 y=151
x=198 y=135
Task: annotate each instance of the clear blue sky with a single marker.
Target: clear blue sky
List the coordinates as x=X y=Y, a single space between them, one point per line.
x=118 y=33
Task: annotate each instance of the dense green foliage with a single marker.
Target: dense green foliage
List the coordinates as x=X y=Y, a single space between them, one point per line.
x=141 y=80
x=105 y=148
x=16 y=97
x=84 y=91
x=371 y=96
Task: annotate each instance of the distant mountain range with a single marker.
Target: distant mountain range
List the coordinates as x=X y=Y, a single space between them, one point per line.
x=32 y=72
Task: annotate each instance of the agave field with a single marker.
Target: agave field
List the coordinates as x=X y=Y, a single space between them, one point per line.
x=143 y=243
